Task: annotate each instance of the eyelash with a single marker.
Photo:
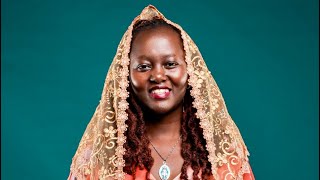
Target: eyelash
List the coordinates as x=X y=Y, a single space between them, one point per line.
x=174 y=64
x=146 y=67
x=142 y=67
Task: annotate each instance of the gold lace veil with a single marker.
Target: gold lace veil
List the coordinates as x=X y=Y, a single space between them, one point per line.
x=100 y=152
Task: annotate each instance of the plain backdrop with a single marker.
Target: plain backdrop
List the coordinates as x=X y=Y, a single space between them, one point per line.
x=55 y=56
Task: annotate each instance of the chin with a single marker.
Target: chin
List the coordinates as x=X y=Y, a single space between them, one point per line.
x=159 y=110
x=163 y=109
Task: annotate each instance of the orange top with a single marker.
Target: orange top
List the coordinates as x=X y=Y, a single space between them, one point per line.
x=141 y=175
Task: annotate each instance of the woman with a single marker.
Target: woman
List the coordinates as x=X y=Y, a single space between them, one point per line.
x=161 y=114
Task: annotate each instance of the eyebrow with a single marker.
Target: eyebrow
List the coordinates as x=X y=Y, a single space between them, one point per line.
x=143 y=57
x=169 y=55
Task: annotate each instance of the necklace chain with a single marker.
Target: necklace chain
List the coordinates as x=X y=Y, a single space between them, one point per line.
x=174 y=146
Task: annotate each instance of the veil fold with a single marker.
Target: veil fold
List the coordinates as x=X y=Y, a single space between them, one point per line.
x=101 y=149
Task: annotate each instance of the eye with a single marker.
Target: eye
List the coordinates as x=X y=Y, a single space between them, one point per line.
x=171 y=64
x=143 y=67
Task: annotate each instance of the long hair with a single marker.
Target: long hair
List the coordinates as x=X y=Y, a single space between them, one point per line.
x=193 y=145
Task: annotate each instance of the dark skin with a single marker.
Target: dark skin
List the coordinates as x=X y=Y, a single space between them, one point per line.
x=157 y=62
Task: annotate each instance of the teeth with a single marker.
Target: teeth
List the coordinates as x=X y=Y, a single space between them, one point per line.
x=160 y=91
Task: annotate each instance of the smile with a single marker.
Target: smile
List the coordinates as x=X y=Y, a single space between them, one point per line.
x=162 y=93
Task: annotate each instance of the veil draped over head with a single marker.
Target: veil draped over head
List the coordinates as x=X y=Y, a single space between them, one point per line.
x=101 y=149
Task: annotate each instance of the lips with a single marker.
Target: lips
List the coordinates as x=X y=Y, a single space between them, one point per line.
x=160 y=92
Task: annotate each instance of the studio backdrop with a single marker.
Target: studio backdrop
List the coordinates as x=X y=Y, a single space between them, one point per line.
x=262 y=54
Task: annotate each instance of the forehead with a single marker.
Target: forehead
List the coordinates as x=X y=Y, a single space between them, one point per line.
x=160 y=29
x=161 y=40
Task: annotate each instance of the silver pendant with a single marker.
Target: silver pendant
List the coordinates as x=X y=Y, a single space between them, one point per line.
x=164 y=171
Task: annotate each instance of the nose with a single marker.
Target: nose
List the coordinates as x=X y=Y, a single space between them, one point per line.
x=158 y=75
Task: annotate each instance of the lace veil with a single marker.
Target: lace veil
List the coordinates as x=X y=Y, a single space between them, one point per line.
x=100 y=152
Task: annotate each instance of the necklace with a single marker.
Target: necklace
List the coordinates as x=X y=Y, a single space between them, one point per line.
x=164 y=171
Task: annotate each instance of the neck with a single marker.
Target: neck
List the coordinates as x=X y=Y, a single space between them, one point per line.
x=164 y=127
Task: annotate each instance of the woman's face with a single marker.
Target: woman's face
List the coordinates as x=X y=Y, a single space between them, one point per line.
x=158 y=70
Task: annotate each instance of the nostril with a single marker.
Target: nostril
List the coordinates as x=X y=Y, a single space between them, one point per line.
x=160 y=77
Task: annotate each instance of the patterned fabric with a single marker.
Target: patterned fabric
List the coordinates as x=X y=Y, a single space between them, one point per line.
x=100 y=152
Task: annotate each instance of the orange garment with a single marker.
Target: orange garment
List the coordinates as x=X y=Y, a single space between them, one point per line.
x=141 y=175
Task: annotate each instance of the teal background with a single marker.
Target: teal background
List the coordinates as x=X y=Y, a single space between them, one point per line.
x=263 y=55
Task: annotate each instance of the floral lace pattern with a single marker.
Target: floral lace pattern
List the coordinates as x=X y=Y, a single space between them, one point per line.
x=100 y=152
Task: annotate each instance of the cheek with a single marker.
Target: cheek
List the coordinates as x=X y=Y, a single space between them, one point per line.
x=137 y=81
x=180 y=77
